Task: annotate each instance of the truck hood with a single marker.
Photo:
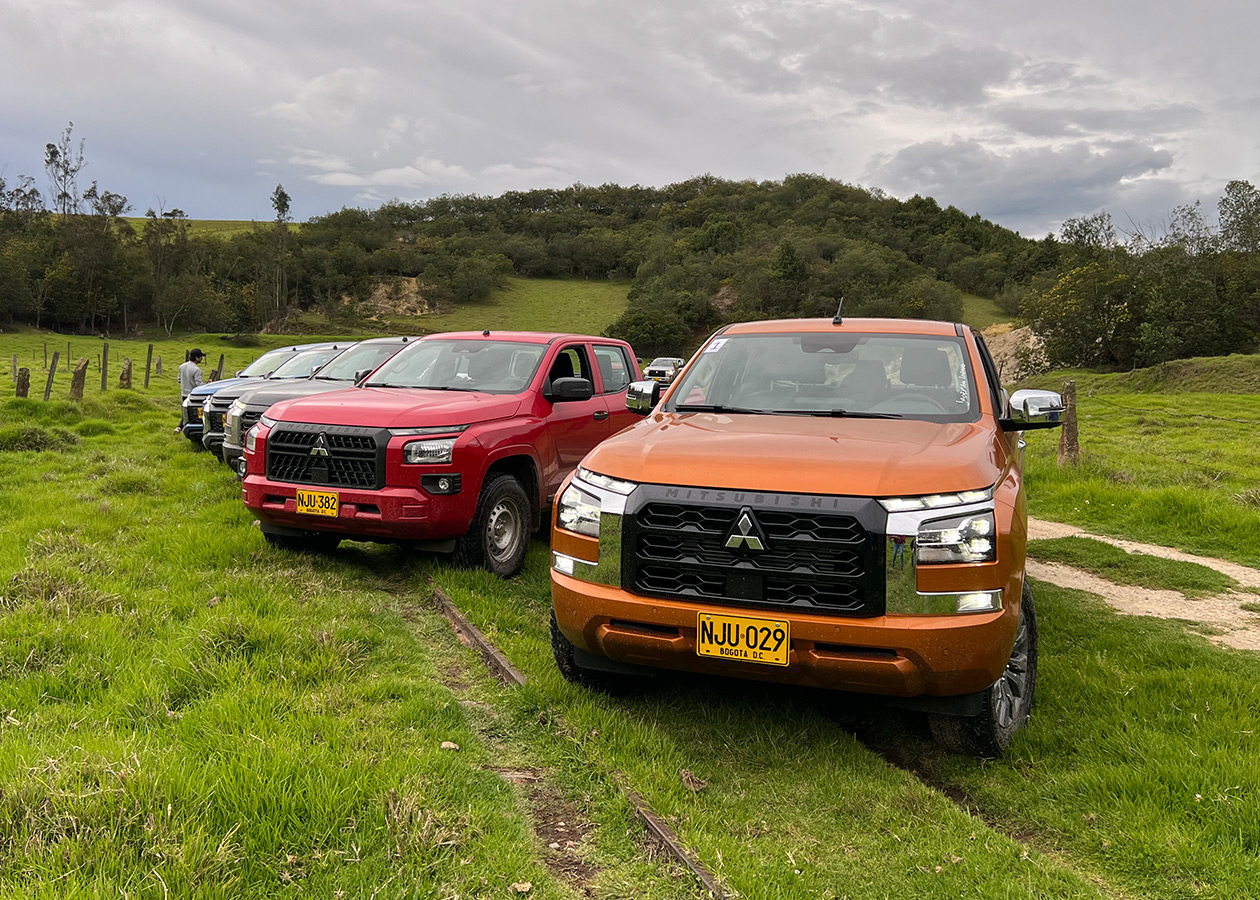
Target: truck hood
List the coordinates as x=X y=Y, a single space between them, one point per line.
x=396 y=408
x=269 y=392
x=213 y=387
x=805 y=455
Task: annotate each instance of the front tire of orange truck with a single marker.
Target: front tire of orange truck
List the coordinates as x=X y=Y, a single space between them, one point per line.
x=1005 y=704
x=608 y=682
x=499 y=534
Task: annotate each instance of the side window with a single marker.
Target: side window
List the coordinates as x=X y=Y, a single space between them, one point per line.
x=570 y=363
x=614 y=368
x=991 y=375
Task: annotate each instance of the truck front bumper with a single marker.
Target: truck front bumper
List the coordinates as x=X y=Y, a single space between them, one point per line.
x=390 y=514
x=899 y=656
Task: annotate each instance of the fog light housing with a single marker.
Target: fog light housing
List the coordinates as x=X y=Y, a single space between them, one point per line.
x=946 y=604
x=442 y=484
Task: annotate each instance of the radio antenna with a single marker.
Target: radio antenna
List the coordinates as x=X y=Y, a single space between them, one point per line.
x=837 y=320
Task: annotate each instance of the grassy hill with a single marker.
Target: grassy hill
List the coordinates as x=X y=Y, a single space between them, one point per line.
x=1168 y=455
x=207 y=227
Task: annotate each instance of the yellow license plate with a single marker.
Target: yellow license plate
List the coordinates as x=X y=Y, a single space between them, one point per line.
x=317 y=503
x=765 y=641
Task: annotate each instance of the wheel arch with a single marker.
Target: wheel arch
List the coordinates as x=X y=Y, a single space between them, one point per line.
x=524 y=468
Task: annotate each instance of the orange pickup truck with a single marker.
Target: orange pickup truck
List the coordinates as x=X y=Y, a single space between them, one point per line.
x=830 y=503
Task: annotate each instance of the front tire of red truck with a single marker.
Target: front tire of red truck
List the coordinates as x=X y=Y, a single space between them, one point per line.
x=499 y=534
x=1005 y=704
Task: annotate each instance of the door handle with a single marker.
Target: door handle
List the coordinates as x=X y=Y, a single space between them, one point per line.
x=601 y=415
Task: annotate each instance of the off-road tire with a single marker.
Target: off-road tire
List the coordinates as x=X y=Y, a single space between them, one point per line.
x=500 y=531
x=1005 y=704
x=607 y=682
x=314 y=543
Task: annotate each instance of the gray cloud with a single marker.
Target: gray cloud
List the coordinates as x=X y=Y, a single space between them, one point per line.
x=1024 y=187
x=1013 y=110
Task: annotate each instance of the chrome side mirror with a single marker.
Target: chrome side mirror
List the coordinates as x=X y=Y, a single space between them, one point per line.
x=642 y=396
x=1034 y=409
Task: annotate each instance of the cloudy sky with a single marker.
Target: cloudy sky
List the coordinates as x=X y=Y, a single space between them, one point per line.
x=1028 y=113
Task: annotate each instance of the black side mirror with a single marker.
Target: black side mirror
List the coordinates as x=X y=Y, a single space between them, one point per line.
x=361 y=376
x=567 y=389
x=642 y=396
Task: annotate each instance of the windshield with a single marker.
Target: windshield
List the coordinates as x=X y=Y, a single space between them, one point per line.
x=356 y=359
x=664 y=362
x=832 y=374
x=266 y=363
x=301 y=365
x=492 y=367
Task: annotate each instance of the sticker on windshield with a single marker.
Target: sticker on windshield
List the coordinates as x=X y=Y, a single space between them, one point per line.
x=716 y=345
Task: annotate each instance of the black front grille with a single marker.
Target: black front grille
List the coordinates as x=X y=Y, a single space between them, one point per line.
x=823 y=554
x=326 y=455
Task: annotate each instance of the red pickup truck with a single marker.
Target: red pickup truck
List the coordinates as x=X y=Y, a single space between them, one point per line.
x=457 y=443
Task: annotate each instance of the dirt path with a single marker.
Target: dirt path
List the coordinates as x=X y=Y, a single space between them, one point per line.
x=1223 y=611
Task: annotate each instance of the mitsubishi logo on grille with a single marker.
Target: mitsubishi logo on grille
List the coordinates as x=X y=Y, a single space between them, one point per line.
x=319 y=448
x=746 y=534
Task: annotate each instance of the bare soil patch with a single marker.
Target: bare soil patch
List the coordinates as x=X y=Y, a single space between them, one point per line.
x=1224 y=612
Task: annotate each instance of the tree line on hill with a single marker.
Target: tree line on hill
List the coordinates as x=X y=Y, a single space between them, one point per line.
x=697 y=253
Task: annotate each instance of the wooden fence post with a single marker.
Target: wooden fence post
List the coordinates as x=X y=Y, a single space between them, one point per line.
x=158 y=367
x=1069 y=444
x=52 y=370
x=218 y=373
x=45 y=356
x=78 y=378
x=24 y=382
x=105 y=368
x=148 y=364
x=14 y=367
x=124 y=377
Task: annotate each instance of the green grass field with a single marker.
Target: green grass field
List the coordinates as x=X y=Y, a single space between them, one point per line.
x=540 y=304
x=188 y=711
x=210 y=227
x=1162 y=459
x=981 y=312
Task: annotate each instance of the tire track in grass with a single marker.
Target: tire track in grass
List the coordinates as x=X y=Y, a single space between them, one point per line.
x=891 y=734
x=501 y=667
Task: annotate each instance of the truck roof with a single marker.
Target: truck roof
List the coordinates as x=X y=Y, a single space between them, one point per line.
x=530 y=337
x=854 y=325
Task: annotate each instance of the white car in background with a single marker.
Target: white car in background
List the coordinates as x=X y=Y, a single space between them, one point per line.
x=664 y=369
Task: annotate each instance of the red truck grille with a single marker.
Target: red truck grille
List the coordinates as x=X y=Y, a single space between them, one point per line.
x=321 y=455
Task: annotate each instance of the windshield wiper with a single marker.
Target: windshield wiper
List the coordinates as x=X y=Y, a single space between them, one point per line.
x=719 y=408
x=847 y=414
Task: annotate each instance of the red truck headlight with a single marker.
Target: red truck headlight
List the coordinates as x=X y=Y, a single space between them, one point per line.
x=431 y=452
